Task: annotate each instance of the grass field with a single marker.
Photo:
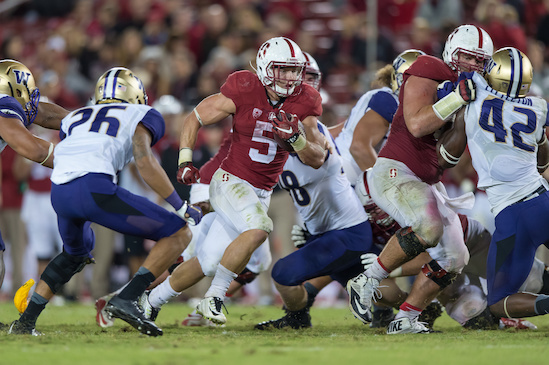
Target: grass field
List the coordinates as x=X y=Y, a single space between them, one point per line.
x=72 y=337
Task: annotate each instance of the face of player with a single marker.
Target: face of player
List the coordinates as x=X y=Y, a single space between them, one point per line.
x=311 y=79
x=469 y=63
x=287 y=76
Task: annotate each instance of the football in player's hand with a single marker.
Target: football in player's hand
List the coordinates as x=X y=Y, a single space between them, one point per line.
x=284 y=144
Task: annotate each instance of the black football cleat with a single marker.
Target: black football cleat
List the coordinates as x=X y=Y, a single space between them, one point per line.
x=130 y=312
x=295 y=320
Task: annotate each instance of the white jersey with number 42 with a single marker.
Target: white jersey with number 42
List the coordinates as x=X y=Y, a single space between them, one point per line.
x=98 y=139
x=502 y=135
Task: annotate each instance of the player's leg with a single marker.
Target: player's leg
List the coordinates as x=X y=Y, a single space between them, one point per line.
x=245 y=207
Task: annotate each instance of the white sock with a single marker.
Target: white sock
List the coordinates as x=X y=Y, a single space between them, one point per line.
x=408 y=311
x=377 y=271
x=220 y=283
x=162 y=294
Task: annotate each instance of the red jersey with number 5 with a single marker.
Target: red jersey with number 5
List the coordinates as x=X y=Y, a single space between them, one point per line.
x=254 y=154
x=419 y=154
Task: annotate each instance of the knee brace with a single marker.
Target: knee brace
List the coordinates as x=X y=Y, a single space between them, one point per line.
x=409 y=242
x=436 y=273
x=246 y=277
x=62 y=268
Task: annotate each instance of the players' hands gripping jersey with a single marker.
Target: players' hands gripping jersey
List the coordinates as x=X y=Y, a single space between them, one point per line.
x=254 y=154
x=98 y=139
x=419 y=154
x=323 y=197
x=502 y=135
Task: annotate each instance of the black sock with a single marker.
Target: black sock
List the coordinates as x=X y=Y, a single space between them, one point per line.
x=140 y=282
x=542 y=304
x=36 y=305
x=312 y=291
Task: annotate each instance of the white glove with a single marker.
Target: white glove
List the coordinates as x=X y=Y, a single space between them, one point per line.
x=368 y=260
x=190 y=214
x=299 y=236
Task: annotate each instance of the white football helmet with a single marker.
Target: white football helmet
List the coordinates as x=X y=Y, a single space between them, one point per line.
x=468 y=39
x=313 y=76
x=401 y=63
x=120 y=85
x=16 y=80
x=168 y=105
x=275 y=55
x=510 y=72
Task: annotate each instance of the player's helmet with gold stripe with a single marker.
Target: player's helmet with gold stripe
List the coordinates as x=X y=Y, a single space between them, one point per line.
x=120 y=85
x=510 y=72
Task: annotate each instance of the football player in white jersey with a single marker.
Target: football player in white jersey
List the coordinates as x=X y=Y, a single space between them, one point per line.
x=505 y=132
x=340 y=231
x=19 y=108
x=97 y=142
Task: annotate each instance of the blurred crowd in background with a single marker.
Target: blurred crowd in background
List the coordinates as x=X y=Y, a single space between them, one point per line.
x=186 y=49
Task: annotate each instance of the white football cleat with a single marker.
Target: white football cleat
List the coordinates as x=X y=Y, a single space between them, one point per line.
x=407 y=325
x=103 y=318
x=362 y=290
x=210 y=308
x=518 y=323
x=196 y=320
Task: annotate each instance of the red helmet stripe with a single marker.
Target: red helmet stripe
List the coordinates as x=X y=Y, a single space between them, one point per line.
x=480 y=40
x=292 y=51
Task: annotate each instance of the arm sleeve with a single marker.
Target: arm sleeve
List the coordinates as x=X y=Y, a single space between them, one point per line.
x=10 y=108
x=384 y=104
x=154 y=122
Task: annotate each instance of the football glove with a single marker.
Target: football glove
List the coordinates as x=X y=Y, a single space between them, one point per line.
x=300 y=236
x=368 y=260
x=286 y=126
x=190 y=214
x=444 y=88
x=187 y=173
x=464 y=92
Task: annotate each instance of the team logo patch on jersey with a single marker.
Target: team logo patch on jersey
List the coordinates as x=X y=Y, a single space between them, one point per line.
x=257 y=113
x=393 y=173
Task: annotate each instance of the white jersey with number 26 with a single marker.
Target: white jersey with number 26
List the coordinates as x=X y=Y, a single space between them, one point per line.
x=502 y=135
x=98 y=139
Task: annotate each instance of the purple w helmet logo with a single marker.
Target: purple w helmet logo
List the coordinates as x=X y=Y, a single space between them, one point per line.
x=21 y=77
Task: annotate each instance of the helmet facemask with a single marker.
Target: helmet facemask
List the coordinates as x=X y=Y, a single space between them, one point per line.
x=280 y=66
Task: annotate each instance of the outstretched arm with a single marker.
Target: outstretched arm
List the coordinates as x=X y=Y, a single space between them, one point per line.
x=148 y=166
x=14 y=133
x=50 y=115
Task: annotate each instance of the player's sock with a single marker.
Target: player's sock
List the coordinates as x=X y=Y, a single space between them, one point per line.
x=221 y=281
x=162 y=294
x=36 y=306
x=542 y=304
x=141 y=281
x=409 y=311
x=377 y=271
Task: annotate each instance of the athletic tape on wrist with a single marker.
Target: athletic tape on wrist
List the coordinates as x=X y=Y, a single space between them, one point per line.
x=452 y=160
x=299 y=144
x=185 y=155
x=50 y=151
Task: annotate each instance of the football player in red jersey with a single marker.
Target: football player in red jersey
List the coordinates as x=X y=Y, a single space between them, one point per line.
x=405 y=180
x=273 y=100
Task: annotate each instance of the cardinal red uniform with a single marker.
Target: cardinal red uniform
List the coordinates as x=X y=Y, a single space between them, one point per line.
x=254 y=154
x=419 y=154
